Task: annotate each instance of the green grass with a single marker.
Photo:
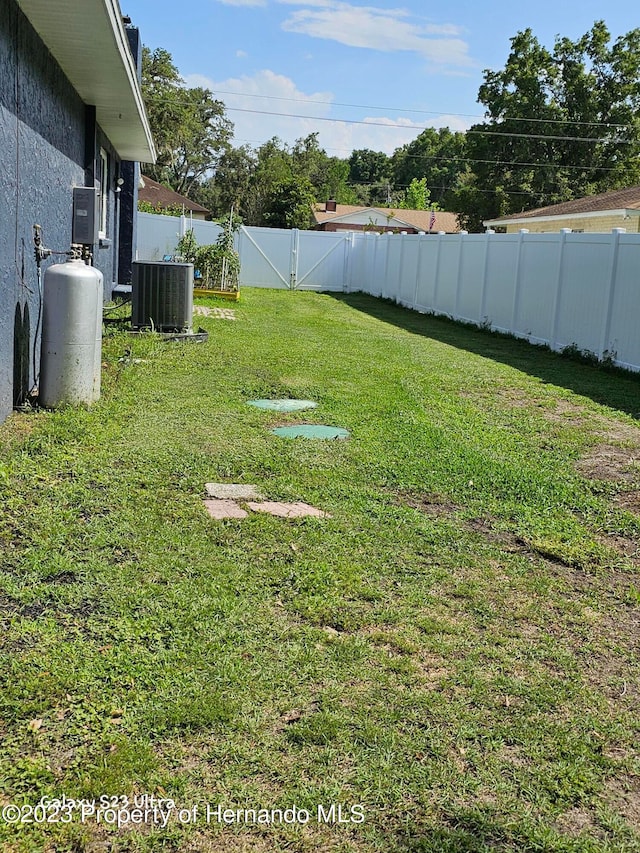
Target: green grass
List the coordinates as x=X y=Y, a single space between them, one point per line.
x=453 y=650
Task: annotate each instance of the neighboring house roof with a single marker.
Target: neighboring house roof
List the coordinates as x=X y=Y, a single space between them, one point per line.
x=418 y=219
x=161 y=196
x=615 y=201
x=89 y=43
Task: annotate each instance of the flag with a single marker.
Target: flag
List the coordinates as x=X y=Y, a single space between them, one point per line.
x=432 y=219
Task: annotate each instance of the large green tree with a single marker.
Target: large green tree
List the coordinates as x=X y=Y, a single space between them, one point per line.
x=289 y=204
x=439 y=155
x=369 y=176
x=189 y=125
x=230 y=184
x=559 y=124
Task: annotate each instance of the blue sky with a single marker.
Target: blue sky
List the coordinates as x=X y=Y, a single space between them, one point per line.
x=362 y=74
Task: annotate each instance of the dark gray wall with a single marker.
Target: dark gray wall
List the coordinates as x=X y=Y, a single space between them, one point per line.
x=130 y=172
x=45 y=151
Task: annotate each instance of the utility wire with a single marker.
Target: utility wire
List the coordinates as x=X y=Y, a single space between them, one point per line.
x=400 y=110
x=418 y=127
x=463 y=160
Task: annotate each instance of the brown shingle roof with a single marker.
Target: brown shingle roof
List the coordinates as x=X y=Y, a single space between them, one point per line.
x=628 y=199
x=418 y=219
x=161 y=196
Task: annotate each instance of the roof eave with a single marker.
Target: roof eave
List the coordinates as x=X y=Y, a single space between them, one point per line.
x=89 y=43
x=558 y=217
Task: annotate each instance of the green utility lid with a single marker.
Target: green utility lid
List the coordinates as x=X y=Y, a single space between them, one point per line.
x=283 y=405
x=310 y=431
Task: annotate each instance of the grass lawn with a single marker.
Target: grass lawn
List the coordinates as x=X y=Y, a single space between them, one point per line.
x=451 y=657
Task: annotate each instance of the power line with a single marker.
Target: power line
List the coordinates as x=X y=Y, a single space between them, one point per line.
x=462 y=160
x=417 y=127
x=416 y=111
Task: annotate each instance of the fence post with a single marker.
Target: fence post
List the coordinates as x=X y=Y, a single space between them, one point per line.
x=556 y=299
x=436 y=283
x=613 y=272
x=516 y=283
x=348 y=261
x=385 y=284
x=418 y=268
x=293 y=264
x=400 y=267
x=485 y=275
x=459 y=272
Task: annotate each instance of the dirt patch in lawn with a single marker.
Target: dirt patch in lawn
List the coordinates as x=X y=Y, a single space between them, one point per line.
x=578 y=822
x=568 y=413
x=623 y=796
x=610 y=462
x=430 y=504
x=626 y=546
x=617 y=456
x=628 y=501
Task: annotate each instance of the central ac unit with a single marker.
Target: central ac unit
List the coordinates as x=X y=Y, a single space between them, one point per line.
x=162 y=296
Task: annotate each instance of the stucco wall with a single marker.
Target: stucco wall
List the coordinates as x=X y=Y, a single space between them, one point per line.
x=591 y=224
x=44 y=153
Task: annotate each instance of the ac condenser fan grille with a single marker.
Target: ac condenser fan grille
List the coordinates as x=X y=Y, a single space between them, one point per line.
x=162 y=296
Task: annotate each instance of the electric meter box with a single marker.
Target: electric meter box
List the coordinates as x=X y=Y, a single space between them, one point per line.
x=84 y=228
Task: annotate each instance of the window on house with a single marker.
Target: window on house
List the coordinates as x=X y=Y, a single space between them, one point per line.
x=104 y=191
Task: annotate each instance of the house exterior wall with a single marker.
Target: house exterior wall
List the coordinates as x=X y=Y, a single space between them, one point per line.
x=350 y=226
x=49 y=143
x=600 y=224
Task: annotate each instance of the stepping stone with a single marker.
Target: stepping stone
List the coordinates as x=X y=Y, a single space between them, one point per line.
x=216 y=313
x=283 y=405
x=219 y=509
x=232 y=491
x=310 y=431
x=288 y=510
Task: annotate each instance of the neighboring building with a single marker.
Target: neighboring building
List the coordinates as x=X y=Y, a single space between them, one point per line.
x=161 y=198
x=594 y=213
x=348 y=217
x=71 y=115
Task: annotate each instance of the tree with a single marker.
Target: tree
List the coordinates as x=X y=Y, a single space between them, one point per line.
x=230 y=184
x=328 y=176
x=416 y=196
x=437 y=155
x=189 y=126
x=369 y=175
x=290 y=204
x=560 y=124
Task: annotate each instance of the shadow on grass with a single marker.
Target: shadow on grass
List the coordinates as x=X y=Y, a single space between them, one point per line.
x=474 y=832
x=611 y=387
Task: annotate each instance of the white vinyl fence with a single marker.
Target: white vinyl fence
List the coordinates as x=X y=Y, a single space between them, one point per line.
x=560 y=289
x=157 y=236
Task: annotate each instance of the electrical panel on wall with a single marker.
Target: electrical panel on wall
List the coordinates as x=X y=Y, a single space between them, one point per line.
x=86 y=215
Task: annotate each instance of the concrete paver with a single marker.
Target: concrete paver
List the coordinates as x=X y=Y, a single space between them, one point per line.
x=219 y=509
x=297 y=509
x=233 y=491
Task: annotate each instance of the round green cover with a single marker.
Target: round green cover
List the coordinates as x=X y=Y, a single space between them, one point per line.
x=310 y=431
x=283 y=405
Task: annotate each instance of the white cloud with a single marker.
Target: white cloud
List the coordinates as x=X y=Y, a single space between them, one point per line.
x=258 y=99
x=241 y=54
x=377 y=29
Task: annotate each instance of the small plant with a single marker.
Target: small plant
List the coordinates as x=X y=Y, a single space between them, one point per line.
x=217 y=265
x=187 y=247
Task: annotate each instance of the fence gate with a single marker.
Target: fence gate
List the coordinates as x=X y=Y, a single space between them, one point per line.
x=266 y=257
x=322 y=260
x=293 y=259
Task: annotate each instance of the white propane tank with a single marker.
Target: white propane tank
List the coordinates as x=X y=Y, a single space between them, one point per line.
x=71 y=352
